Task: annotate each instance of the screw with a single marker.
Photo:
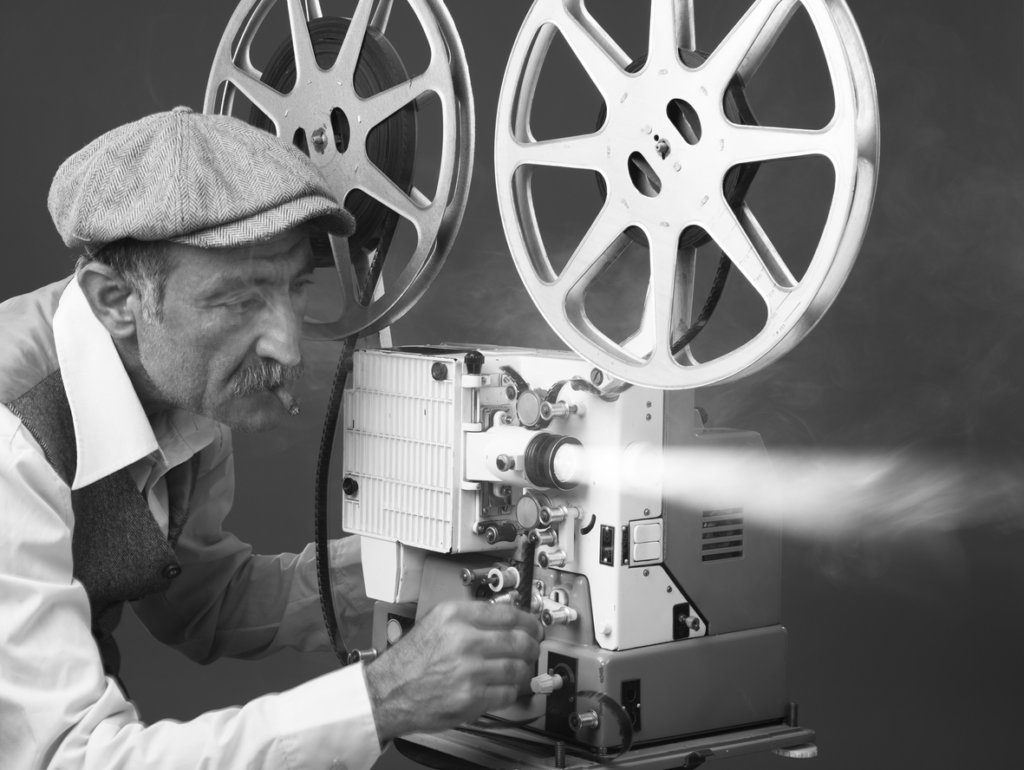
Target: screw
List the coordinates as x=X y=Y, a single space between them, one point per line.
x=511 y=393
x=668 y=589
x=647 y=511
x=647 y=573
x=596 y=376
x=559 y=754
x=350 y=486
x=695 y=624
x=439 y=371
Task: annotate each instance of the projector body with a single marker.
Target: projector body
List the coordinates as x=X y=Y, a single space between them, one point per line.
x=672 y=613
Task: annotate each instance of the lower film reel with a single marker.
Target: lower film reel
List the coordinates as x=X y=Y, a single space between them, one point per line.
x=331 y=81
x=675 y=150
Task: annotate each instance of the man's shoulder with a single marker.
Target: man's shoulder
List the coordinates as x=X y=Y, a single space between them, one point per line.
x=28 y=354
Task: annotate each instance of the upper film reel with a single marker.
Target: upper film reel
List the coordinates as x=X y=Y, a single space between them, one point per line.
x=697 y=160
x=338 y=88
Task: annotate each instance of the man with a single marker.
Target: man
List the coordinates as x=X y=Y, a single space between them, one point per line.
x=118 y=389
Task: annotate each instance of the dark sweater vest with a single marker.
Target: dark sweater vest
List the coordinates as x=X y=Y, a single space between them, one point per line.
x=120 y=554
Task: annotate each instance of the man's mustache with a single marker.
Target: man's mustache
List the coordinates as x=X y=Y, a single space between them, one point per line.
x=265 y=376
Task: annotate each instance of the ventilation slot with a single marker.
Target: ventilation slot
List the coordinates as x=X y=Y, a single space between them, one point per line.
x=721 y=535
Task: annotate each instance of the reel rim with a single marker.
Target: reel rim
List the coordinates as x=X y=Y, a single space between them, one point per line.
x=436 y=222
x=645 y=358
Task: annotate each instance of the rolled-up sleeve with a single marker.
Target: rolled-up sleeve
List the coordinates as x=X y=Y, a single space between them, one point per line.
x=58 y=709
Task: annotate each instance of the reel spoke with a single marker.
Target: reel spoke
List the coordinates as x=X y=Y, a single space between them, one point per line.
x=383 y=105
x=671 y=28
x=586 y=151
x=382 y=15
x=750 y=41
x=599 y=247
x=641 y=343
x=599 y=55
x=746 y=144
x=377 y=185
x=766 y=39
x=762 y=267
x=271 y=102
x=313 y=10
x=685 y=24
x=765 y=248
x=348 y=57
x=664 y=252
x=302 y=43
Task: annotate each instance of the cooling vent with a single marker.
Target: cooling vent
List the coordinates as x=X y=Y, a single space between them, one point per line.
x=721 y=535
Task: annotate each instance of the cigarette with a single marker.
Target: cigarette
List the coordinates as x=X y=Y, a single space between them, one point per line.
x=287 y=400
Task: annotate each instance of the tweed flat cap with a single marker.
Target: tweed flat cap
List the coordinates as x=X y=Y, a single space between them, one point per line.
x=202 y=180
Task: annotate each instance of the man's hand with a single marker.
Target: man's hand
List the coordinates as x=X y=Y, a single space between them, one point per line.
x=461 y=660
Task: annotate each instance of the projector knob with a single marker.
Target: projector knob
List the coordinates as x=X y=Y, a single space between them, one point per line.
x=545 y=684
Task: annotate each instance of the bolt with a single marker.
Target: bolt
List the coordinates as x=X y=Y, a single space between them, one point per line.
x=694 y=624
x=668 y=589
x=647 y=573
x=319 y=138
x=439 y=371
x=647 y=511
x=350 y=486
x=559 y=754
x=511 y=393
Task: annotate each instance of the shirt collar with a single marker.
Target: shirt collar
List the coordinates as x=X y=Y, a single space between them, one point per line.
x=112 y=430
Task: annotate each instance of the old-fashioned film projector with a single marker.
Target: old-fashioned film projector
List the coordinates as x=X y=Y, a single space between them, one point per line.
x=489 y=472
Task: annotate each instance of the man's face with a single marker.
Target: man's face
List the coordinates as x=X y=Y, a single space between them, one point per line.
x=228 y=314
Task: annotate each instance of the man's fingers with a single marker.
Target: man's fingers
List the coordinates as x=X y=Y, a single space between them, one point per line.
x=502 y=616
x=497 y=696
x=505 y=671
x=516 y=643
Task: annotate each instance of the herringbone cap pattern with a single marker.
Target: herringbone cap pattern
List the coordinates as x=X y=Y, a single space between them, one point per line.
x=204 y=180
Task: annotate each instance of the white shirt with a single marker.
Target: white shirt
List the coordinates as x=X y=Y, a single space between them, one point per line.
x=57 y=708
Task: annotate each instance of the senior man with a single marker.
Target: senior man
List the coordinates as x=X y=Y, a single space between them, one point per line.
x=119 y=387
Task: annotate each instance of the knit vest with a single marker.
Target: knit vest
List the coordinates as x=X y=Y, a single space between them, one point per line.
x=120 y=553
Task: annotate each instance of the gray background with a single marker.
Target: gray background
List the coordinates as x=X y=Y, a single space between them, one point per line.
x=904 y=653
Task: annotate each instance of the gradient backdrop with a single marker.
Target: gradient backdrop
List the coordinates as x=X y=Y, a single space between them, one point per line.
x=905 y=652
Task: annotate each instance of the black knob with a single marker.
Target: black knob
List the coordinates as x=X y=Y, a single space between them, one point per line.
x=350 y=486
x=439 y=371
x=500 y=532
x=474 y=362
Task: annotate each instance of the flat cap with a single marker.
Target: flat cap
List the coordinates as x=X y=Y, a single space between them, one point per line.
x=203 y=180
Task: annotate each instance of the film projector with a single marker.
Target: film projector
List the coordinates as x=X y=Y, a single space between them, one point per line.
x=488 y=472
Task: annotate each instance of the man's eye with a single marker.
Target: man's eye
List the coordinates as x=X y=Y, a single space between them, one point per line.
x=301 y=284
x=243 y=304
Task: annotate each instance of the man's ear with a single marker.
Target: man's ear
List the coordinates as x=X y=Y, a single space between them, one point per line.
x=111 y=298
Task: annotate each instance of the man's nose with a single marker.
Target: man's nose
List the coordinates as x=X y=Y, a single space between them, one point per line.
x=281 y=334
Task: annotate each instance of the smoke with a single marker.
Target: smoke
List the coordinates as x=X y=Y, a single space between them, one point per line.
x=825 y=496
